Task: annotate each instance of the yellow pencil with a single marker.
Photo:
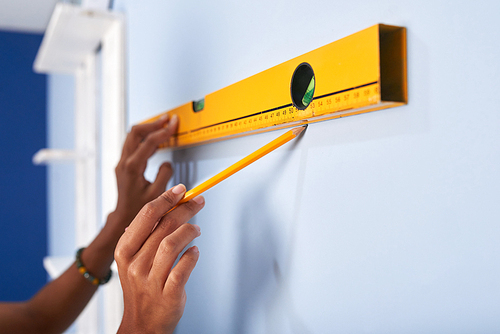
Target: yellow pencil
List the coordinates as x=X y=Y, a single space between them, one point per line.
x=286 y=137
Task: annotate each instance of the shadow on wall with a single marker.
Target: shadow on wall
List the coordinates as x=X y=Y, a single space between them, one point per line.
x=261 y=298
x=185 y=169
x=262 y=268
x=258 y=249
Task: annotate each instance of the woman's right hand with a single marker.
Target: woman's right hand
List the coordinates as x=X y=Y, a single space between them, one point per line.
x=153 y=289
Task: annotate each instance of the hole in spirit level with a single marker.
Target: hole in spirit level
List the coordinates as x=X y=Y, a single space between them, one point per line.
x=302 y=86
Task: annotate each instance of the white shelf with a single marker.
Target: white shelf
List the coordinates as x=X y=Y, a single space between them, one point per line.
x=47 y=155
x=73 y=34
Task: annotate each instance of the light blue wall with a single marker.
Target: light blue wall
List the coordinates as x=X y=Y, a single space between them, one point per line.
x=386 y=222
x=61 y=176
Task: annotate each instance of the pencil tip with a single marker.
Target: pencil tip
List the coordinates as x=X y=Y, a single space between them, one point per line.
x=298 y=130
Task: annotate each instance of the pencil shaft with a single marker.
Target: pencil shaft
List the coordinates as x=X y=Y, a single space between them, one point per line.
x=238 y=166
x=284 y=138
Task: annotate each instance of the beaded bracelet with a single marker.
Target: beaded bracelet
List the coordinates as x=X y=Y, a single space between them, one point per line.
x=86 y=274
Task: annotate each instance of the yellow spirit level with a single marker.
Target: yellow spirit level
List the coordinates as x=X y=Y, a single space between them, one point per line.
x=362 y=72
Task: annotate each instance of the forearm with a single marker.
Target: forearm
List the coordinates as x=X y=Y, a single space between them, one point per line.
x=98 y=256
x=60 y=302
x=52 y=309
x=55 y=307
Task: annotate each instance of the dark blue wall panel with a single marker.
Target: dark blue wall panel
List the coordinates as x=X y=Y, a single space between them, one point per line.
x=23 y=194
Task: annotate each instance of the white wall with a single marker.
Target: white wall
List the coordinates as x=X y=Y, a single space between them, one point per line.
x=385 y=222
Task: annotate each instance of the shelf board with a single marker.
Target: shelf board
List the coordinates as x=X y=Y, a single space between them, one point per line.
x=73 y=33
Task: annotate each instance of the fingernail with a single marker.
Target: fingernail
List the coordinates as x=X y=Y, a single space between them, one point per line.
x=197 y=228
x=195 y=249
x=199 y=200
x=164 y=117
x=179 y=189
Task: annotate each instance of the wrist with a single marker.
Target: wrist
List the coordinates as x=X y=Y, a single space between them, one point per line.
x=99 y=255
x=129 y=326
x=119 y=220
x=143 y=322
x=87 y=274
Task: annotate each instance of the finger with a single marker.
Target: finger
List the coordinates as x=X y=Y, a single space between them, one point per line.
x=138 y=159
x=141 y=131
x=167 y=225
x=164 y=174
x=170 y=248
x=180 y=215
x=140 y=228
x=178 y=277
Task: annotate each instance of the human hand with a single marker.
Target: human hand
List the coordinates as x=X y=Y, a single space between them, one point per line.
x=134 y=191
x=153 y=290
